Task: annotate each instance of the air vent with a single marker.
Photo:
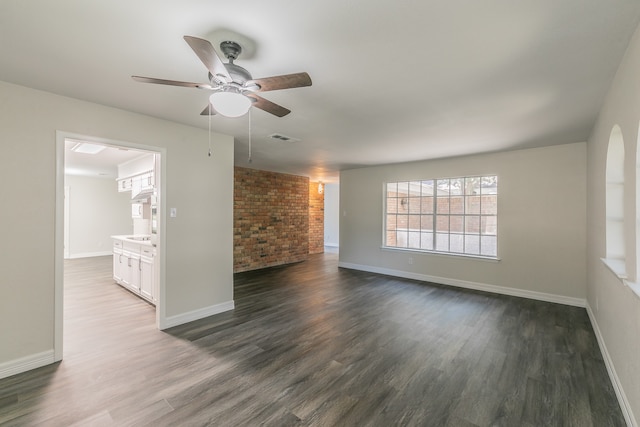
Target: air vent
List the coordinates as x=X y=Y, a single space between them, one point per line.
x=283 y=137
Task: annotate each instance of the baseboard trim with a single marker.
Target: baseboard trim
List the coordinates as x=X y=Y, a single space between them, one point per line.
x=625 y=406
x=201 y=313
x=89 y=254
x=540 y=296
x=27 y=363
x=332 y=245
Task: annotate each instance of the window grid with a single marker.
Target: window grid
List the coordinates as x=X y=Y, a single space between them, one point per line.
x=449 y=215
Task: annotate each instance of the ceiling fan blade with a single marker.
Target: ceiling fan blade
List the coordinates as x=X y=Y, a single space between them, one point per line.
x=286 y=81
x=171 y=82
x=207 y=54
x=268 y=106
x=208 y=111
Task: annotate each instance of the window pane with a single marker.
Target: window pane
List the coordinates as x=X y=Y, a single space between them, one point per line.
x=489 y=205
x=456 y=186
x=472 y=225
x=414 y=222
x=426 y=223
x=489 y=245
x=402 y=222
x=456 y=224
x=472 y=245
x=392 y=205
x=456 y=205
x=473 y=205
x=442 y=242
x=457 y=243
x=403 y=189
x=426 y=241
x=414 y=205
x=392 y=189
x=490 y=225
x=403 y=205
x=391 y=222
x=415 y=189
x=414 y=239
x=489 y=184
x=442 y=223
x=427 y=205
x=427 y=188
x=472 y=186
x=391 y=238
x=442 y=205
x=402 y=239
x=443 y=187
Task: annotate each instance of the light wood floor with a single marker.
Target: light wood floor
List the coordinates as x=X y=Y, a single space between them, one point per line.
x=311 y=344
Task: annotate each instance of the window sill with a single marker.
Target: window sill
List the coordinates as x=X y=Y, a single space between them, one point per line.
x=616 y=266
x=445 y=254
x=635 y=287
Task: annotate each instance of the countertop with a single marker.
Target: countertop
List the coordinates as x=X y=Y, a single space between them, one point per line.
x=142 y=239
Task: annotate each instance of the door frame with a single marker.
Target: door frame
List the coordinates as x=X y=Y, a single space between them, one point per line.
x=159 y=266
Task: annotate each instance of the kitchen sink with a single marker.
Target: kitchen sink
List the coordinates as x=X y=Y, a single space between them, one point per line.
x=139 y=238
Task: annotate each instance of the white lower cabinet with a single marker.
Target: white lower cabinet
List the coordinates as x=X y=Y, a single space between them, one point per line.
x=146 y=274
x=133 y=267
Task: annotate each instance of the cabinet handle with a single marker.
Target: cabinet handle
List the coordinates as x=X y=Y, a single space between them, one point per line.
x=120 y=258
x=128 y=262
x=139 y=265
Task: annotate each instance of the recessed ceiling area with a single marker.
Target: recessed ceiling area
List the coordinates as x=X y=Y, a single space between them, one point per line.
x=103 y=164
x=392 y=81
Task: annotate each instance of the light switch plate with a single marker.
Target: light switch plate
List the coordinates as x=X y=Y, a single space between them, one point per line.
x=173 y=212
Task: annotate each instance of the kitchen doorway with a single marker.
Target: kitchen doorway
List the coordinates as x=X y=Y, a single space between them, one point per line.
x=116 y=191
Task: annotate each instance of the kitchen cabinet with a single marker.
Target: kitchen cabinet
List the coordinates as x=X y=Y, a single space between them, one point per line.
x=133 y=266
x=144 y=181
x=146 y=274
x=124 y=184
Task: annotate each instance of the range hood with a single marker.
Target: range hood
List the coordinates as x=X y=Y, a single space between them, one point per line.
x=142 y=195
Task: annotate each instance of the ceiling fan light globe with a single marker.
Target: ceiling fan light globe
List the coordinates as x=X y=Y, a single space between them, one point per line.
x=230 y=104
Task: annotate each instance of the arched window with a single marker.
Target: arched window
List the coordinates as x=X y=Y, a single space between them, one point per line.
x=615 y=203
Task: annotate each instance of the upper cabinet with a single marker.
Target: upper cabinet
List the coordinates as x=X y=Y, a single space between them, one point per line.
x=137 y=176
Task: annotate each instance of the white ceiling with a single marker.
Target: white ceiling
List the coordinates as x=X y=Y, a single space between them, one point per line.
x=393 y=81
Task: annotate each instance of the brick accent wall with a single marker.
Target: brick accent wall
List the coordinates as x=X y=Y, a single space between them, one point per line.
x=316 y=219
x=271 y=219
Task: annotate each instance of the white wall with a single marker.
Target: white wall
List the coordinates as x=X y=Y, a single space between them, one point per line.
x=541 y=223
x=331 y=214
x=614 y=308
x=96 y=212
x=198 y=250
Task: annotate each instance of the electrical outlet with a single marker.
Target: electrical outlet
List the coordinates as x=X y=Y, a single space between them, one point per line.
x=173 y=212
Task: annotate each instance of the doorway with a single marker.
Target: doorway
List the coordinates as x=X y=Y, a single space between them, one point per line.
x=91 y=236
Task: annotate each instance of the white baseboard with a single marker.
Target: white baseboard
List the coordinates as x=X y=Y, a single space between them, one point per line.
x=332 y=245
x=190 y=316
x=26 y=363
x=541 y=296
x=625 y=406
x=89 y=254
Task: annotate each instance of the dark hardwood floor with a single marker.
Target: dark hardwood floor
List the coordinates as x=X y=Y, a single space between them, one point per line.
x=313 y=345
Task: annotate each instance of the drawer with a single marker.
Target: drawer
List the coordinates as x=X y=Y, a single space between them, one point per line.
x=117 y=244
x=131 y=247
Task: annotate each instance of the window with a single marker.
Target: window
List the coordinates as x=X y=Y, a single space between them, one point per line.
x=615 y=241
x=448 y=215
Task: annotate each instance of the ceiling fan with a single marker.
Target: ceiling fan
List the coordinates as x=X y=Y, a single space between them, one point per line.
x=234 y=90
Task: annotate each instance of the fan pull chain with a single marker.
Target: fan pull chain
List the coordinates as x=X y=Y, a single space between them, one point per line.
x=210 y=130
x=250 y=160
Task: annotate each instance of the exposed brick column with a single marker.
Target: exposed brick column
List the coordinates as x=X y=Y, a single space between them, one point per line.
x=316 y=219
x=271 y=219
